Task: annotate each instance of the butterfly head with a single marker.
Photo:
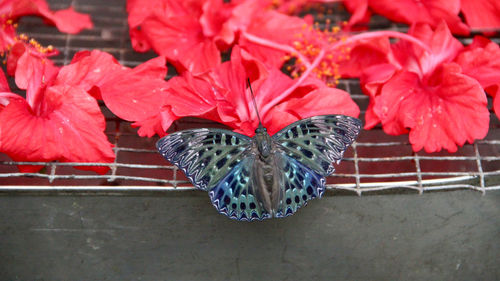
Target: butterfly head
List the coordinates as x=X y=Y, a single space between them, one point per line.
x=263 y=141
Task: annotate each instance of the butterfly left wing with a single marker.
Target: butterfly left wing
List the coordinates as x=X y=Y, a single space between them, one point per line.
x=204 y=155
x=318 y=141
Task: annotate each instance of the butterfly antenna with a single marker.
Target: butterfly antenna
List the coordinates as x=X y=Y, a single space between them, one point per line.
x=254 y=102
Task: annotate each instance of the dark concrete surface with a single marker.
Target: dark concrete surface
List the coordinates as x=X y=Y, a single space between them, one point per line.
x=179 y=236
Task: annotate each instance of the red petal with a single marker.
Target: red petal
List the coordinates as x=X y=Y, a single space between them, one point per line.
x=444 y=48
x=32 y=74
x=87 y=70
x=443 y=45
x=425 y=11
x=178 y=39
x=70 y=129
x=387 y=105
x=242 y=15
x=157 y=124
x=139 y=40
x=136 y=94
x=496 y=105
x=215 y=13
x=482 y=63
x=4 y=85
x=364 y=55
x=7 y=37
x=70 y=21
x=374 y=77
x=140 y=10
x=318 y=102
x=131 y=94
x=190 y=96
x=481 y=14
x=359 y=11
x=66 y=20
x=445 y=114
x=276 y=27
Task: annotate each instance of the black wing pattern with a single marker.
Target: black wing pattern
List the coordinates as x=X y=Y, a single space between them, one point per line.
x=204 y=155
x=318 y=141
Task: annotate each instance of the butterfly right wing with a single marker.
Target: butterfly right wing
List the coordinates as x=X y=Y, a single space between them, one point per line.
x=300 y=184
x=318 y=141
x=206 y=156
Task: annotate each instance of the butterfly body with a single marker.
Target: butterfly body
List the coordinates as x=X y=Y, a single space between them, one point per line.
x=264 y=176
x=267 y=180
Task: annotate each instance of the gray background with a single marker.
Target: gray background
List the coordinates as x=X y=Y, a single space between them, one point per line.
x=179 y=236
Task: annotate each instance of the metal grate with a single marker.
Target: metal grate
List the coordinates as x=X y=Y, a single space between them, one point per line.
x=375 y=163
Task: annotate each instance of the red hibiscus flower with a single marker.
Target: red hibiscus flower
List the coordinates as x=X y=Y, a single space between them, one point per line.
x=55 y=121
x=427 y=94
x=482 y=14
x=409 y=12
x=222 y=96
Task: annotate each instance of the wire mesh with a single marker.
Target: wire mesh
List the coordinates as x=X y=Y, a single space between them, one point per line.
x=375 y=163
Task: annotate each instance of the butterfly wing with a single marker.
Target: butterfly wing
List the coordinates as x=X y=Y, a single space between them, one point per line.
x=300 y=184
x=206 y=156
x=233 y=196
x=318 y=141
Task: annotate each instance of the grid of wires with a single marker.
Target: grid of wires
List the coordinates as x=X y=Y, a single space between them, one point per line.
x=375 y=163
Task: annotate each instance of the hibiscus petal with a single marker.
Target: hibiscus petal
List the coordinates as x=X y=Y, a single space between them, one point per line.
x=87 y=70
x=444 y=47
x=4 y=85
x=66 y=20
x=318 y=102
x=444 y=114
x=32 y=74
x=387 y=105
x=70 y=129
x=178 y=39
x=359 y=11
x=365 y=54
x=481 y=63
x=70 y=21
x=136 y=94
x=189 y=95
x=157 y=124
x=278 y=28
x=131 y=94
x=425 y=11
x=481 y=14
x=496 y=105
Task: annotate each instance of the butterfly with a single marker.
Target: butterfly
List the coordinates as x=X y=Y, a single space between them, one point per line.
x=265 y=176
